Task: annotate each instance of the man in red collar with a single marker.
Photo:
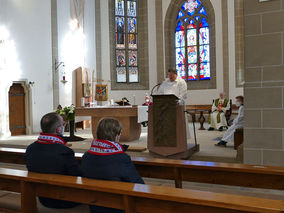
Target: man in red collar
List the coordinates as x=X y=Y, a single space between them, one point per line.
x=50 y=155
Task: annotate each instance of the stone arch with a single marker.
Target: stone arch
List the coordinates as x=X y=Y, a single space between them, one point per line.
x=169 y=31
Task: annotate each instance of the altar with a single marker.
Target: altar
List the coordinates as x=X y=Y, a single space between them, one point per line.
x=127 y=116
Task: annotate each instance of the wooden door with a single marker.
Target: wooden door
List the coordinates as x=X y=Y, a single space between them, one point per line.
x=17 y=110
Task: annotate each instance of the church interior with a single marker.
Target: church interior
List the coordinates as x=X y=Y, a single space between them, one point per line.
x=92 y=59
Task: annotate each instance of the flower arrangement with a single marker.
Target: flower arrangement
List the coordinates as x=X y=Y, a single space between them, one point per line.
x=68 y=112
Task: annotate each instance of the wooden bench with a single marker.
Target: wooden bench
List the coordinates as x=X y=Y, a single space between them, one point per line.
x=206 y=109
x=128 y=196
x=201 y=109
x=238 y=137
x=265 y=177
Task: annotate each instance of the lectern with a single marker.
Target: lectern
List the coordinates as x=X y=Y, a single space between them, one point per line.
x=167 y=127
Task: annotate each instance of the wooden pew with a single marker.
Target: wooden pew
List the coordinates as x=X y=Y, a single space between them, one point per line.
x=128 y=196
x=265 y=177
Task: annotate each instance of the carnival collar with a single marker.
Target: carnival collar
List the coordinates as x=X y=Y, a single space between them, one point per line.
x=104 y=147
x=45 y=138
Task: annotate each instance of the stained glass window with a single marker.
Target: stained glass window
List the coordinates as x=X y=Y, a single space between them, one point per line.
x=126 y=37
x=192 y=42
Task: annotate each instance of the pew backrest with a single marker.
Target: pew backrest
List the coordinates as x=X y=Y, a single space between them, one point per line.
x=128 y=196
x=266 y=177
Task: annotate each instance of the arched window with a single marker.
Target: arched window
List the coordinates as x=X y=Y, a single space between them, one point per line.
x=192 y=43
x=129 y=64
x=126 y=41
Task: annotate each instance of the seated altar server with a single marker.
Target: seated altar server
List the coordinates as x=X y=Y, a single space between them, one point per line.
x=49 y=154
x=107 y=160
x=217 y=118
x=237 y=123
x=175 y=85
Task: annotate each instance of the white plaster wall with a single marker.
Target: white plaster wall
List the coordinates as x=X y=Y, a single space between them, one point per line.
x=64 y=46
x=29 y=25
x=90 y=30
x=74 y=51
x=234 y=91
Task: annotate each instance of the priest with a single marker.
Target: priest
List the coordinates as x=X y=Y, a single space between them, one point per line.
x=217 y=118
x=175 y=85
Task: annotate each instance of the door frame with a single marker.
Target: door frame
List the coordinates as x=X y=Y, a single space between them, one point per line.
x=28 y=103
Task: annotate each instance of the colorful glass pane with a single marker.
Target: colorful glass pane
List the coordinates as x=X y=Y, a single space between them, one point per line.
x=131 y=8
x=181 y=70
x=119 y=24
x=190 y=6
x=132 y=25
x=180 y=55
x=180 y=14
x=191 y=37
x=204 y=71
x=120 y=29
x=180 y=42
x=133 y=74
x=203 y=11
x=191 y=24
x=119 y=7
x=204 y=53
x=203 y=23
x=132 y=58
x=179 y=27
x=204 y=35
x=120 y=41
x=121 y=74
x=192 y=72
x=192 y=54
x=132 y=41
x=197 y=18
x=120 y=58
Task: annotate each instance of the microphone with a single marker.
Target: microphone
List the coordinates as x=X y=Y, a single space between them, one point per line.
x=154 y=88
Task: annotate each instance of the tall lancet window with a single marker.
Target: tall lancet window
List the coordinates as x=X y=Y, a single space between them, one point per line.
x=192 y=43
x=126 y=45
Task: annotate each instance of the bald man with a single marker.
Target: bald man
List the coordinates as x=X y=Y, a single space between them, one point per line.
x=217 y=119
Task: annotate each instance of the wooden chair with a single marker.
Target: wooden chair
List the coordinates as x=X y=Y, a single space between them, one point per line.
x=127 y=196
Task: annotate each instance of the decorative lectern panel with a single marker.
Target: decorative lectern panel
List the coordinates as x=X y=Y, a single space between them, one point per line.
x=164 y=114
x=165 y=125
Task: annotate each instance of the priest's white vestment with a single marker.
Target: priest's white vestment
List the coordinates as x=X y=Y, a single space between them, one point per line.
x=217 y=118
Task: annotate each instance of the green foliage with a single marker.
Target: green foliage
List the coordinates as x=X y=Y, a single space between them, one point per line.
x=68 y=112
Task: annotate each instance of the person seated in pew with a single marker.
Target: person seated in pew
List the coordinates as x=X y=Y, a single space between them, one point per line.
x=237 y=123
x=217 y=118
x=49 y=154
x=106 y=159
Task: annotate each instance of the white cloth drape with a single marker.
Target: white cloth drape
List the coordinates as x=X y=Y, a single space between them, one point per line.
x=77 y=10
x=142 y=114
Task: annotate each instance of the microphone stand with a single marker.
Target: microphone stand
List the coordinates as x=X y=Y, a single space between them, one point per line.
x=154 y=88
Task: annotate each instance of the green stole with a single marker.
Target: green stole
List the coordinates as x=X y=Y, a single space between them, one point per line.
x=216 y=102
